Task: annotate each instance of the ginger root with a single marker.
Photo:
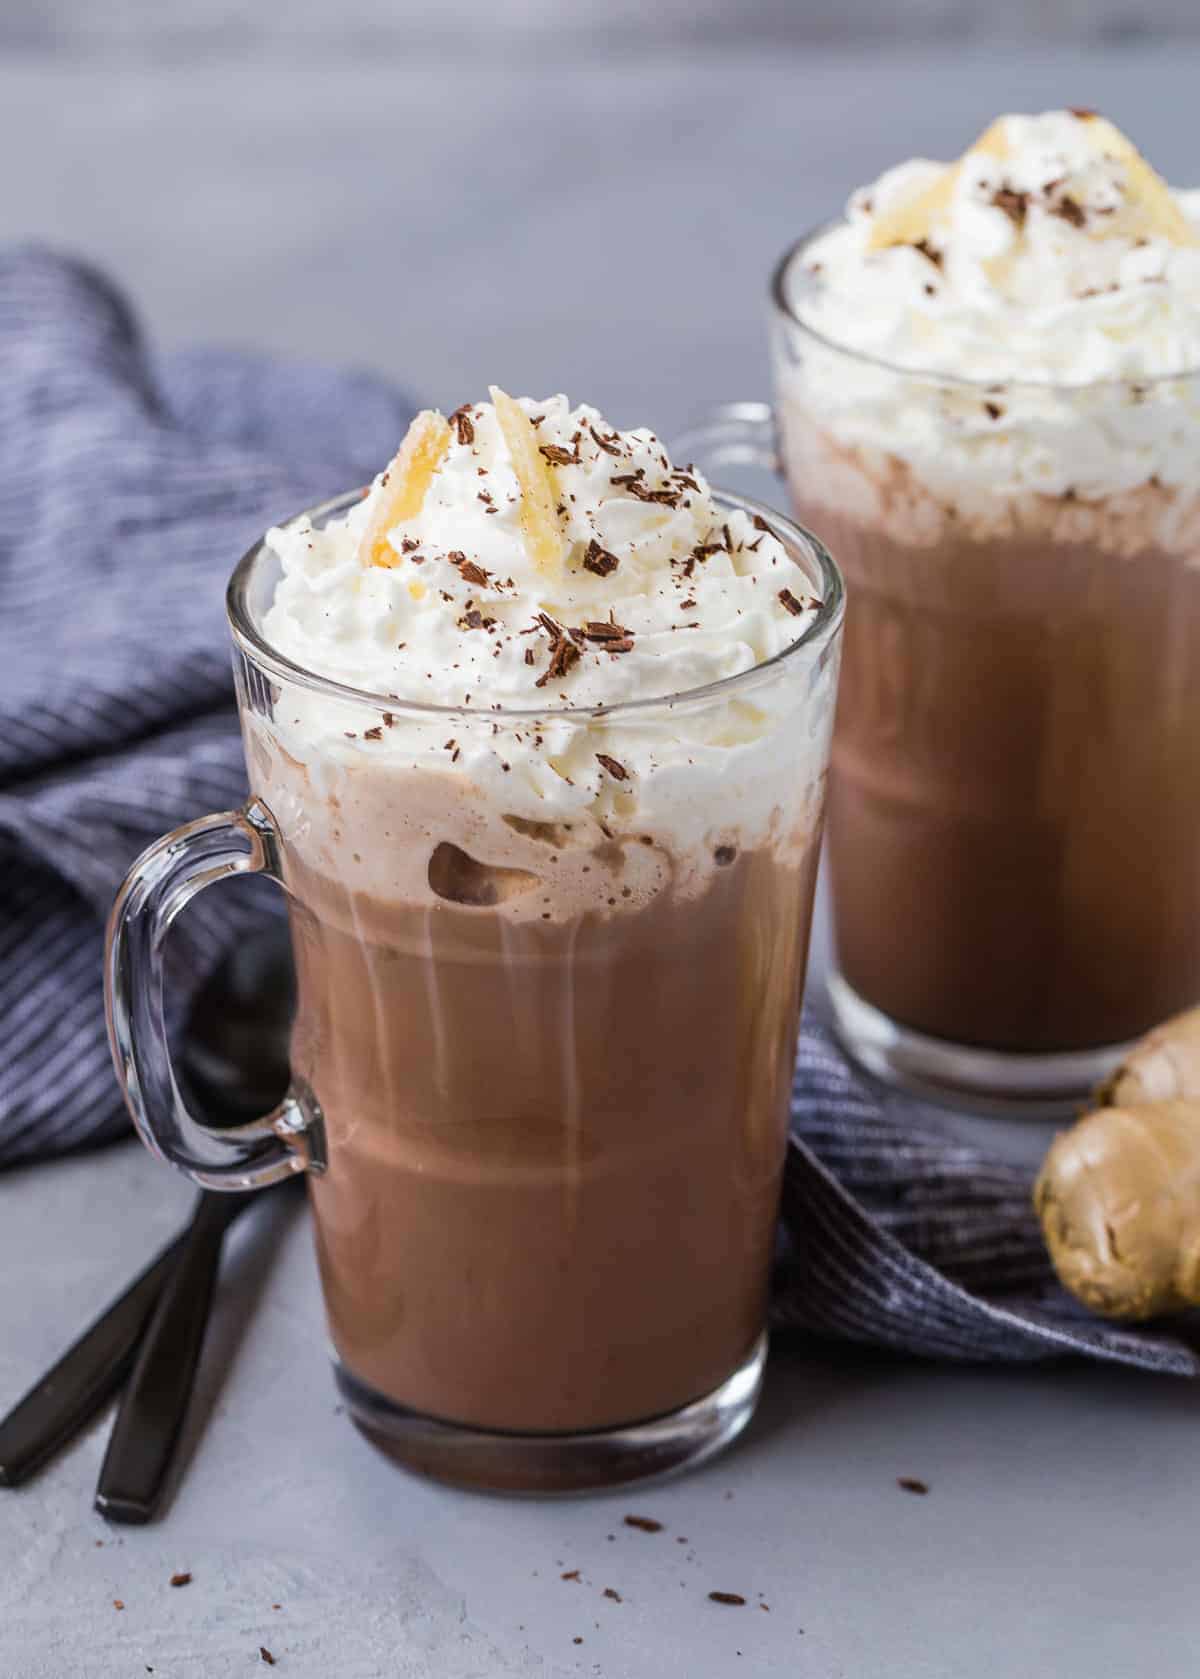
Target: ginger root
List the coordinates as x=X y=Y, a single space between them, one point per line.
x=1119 y=1200
x=1119 y=1194
x=1163 y=1066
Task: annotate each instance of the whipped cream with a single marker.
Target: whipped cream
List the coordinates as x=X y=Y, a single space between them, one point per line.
x=1050 y=266
x=658 y=591
x=1041 y=262
x=463 y=615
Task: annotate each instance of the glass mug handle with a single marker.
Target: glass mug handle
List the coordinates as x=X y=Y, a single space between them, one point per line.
x=163 y=879
x=734 y=434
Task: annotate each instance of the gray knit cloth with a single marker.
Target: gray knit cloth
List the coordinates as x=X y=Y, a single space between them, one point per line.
x=129 y=484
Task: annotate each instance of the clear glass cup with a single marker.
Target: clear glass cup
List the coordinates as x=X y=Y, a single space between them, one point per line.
x=1014 y=811
x=540 y=1069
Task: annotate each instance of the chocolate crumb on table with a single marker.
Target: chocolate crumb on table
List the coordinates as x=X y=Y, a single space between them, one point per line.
x=734 y=1598
x=571 y=1574
x=181 y=1579
x=117 y=1603
x=615 y=1595
x=644 y=1524
x=910 y=1483
x=265 y=1655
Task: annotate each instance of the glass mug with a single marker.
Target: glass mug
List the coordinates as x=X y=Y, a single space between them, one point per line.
x=540 y=1069
x=1013 y=832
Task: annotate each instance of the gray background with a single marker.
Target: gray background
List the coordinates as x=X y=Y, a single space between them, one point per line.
x=376 y=185
x=159 y=29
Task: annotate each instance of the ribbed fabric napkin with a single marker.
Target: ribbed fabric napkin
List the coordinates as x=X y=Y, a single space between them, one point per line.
x=129 y=484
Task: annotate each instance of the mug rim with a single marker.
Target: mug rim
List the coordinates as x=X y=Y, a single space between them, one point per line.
x=781 y=302
x=254 y=645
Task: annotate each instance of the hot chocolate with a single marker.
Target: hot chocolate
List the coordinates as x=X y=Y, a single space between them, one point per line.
x=987 y=407
x=550 y=939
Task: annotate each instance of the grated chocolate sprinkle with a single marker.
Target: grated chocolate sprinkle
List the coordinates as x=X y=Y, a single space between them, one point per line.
x=599 y=560
x=1069 y=210
x=619 y=773
x=558 y=456
x=1014 y=204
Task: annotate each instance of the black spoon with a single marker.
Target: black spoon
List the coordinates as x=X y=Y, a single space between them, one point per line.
x=234 y=1059
x=235 y=1063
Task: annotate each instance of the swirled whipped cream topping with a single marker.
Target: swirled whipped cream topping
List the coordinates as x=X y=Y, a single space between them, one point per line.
x=642 y=587
x=1050 y=251
x=527 y=557
x=1025 y=320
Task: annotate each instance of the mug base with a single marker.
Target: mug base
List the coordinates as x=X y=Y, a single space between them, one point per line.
x=549 y=1465
x=957 y=1075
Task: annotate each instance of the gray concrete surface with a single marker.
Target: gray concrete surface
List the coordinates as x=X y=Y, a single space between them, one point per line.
x=607 y=232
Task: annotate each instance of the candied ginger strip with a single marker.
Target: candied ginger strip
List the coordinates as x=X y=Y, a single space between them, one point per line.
x=539 y=496
x=910 y=223
x=1148 y=198
x=407 y=479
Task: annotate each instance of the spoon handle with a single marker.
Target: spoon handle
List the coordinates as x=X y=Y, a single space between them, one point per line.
x=58 y=1405
x=152 y=1409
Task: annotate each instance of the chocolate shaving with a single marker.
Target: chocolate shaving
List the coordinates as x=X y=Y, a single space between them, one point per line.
x=703 y=549
x=563 y=651
x=463 y=425
x=472 y=573
x=635 y=483
x=611 y=445
x=373 y=734
x=1069 y=210
x=993 y=410
x=759 y=523
x=599 y=559
x=619 y=773
x=606 y=631
x=734 y=1598
x=686 y=605
x=472 y=620
x=646 y=1524
x=409 y=544
x=909 y=1483
x=389 y=718
x=558 y=456
x=529 y=656
x=1083 y=112
x=788 y=599
x=1014 y=204
x=930 y=252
